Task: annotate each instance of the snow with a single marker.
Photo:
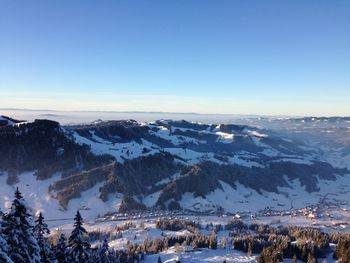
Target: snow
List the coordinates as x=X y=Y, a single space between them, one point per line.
x=217 y=128
x=287 y=140
x=173 y=129
x=9 y=122
x=151 y=199
x=235 y=199
x=295 y=160
x=168 y=179
x=267 y=149
x=200 y=256
x=335 y=157
x=239 y=199
x=224 y=137
x=243 y=198
x=243 y=162
x=38 y=198
x=131 y=150
x=270 y=152
x=256 y=134
x=165 y=134
x=232 y=199
x=191 y=157
x=120 y=151
x=138 y=234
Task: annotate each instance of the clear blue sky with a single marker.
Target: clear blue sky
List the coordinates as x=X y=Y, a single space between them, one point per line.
x=241 y=57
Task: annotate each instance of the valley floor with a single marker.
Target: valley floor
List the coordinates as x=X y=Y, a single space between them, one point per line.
x=204 y=255
x=141 y=229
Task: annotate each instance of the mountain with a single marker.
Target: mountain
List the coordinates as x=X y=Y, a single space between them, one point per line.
x=5 y=121
x=109 y=166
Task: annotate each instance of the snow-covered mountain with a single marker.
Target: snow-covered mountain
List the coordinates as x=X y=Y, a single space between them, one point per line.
x=4 y=121
x=108 y=166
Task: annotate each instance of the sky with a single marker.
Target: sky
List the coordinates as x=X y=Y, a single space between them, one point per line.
x=288 y=57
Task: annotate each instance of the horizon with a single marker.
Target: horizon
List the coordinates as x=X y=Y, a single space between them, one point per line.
x=170 y=112
x=66 y=117
x=264 y=59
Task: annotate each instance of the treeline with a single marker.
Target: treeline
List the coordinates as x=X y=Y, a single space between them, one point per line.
x=342 y=250
x=175 y=225
x=24 y=240
x=298 y=243
x=272 y=244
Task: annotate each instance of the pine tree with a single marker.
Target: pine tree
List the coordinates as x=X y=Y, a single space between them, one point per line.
x=311 y=259
x=79 y=248
x=4 y=249
x=40 y=232
x=103 y=252
x=223 y=243
x=60 y=250
x=213 y=241
x=18 y=229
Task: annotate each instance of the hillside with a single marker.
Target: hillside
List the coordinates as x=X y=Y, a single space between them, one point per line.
x=108 y=166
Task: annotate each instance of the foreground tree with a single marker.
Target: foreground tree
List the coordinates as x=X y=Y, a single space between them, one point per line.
x=4 y=249
x=104 y=252
x=41 y=231
x=18 y=229
x=79 y=247
x=60 y=250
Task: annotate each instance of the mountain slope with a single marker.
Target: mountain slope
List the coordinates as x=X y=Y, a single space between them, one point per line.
x=166 y=164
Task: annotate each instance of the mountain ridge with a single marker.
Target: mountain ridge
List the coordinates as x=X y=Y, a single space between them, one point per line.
x=165 y=164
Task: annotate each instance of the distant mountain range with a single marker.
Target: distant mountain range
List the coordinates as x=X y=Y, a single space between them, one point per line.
x=109 y=166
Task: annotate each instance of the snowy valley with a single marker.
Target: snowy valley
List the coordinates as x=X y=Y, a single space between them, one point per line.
x=291 y=173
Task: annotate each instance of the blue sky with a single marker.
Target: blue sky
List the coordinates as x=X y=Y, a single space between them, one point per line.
x=238 y=57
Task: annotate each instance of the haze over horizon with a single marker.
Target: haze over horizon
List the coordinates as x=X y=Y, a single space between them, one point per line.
x=88 y=117
x=229 y=57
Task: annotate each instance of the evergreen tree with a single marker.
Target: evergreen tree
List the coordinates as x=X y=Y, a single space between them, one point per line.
x=40 y=232
x=79 y=248
x=223 y=243
x=311 y=259
x=60 y=250
x=18 y=229
x=103 y=252
x=213 y=241
x=4 y=249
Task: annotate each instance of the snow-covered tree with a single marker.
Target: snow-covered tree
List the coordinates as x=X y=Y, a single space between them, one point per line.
x=223 y=242
x=311 y=259
x=213 y=240
x=18 y=229
x=79 y=247
x=40 y=232
x=103 y=252
x=60 y=250
x=4 y=249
